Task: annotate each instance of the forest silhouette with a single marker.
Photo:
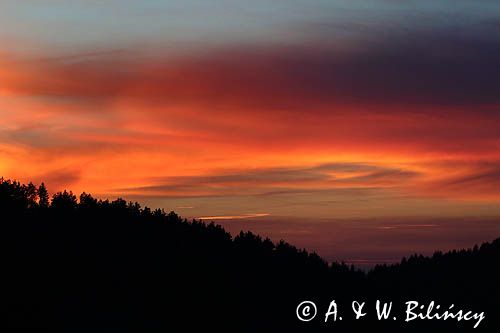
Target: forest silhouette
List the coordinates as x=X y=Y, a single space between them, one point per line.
x=79 y=264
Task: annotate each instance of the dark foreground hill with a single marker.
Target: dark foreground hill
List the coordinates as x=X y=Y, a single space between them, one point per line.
x=81 y=265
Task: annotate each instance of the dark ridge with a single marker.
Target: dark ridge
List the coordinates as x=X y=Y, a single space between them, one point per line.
x=86 y=264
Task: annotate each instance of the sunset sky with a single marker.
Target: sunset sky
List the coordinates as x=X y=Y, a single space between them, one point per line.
x=257 y=109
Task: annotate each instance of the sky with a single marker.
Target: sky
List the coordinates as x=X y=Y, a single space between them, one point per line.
x=258 y=110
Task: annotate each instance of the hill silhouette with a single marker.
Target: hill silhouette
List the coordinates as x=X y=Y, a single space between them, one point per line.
x=80 y=264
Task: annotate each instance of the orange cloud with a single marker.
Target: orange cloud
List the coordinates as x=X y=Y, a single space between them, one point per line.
x=232 y=217
x=292 y=126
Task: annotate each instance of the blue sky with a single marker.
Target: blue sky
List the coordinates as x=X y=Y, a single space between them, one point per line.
x=62 y=26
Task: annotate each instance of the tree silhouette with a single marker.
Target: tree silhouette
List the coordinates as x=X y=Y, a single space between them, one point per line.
x=64 y=200
x=43 y=196
x=100 y=264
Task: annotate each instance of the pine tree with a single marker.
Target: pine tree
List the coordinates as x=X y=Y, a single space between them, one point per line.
x=43 y=196
x=31 y=194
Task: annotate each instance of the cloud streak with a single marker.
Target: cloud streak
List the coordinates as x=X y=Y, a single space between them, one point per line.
x=278 y=181
x=430 y=69
x=233 y=217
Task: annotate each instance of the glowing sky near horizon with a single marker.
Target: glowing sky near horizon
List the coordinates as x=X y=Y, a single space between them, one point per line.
x=238 y=109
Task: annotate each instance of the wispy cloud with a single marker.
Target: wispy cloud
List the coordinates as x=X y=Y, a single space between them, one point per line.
x=410 y=226
x=277 y=181
x=400 y=70
x=233 y=217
